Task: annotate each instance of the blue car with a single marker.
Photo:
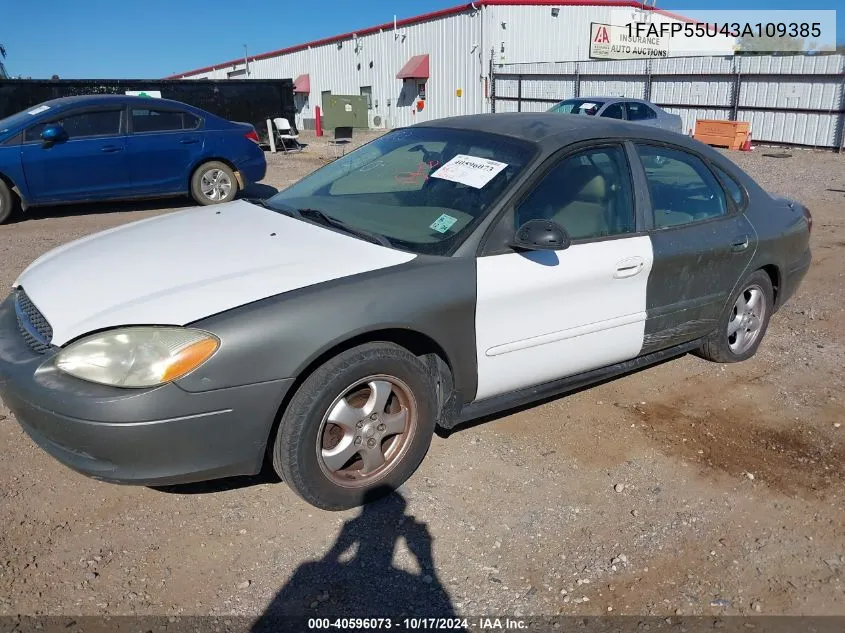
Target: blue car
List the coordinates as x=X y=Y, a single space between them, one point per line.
x=110 y=147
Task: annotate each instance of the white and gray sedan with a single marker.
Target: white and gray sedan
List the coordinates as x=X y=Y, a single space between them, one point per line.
x=624 y=109
x=442 y=272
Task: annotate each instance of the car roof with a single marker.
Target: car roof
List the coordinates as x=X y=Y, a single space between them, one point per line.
x=100 y=99
x=556 y=128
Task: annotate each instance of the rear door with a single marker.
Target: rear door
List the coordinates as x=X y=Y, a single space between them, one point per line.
x=89 y=165
x=544 y=315
x=638 y=112
x=163 y=144
x=702 y=244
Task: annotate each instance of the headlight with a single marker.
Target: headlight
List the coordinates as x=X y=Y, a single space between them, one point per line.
x=137 y=356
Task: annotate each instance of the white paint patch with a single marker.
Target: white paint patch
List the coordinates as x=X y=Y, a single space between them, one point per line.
x=551 y=314
x=184 y=266
x=39 y=110
x=470 y=170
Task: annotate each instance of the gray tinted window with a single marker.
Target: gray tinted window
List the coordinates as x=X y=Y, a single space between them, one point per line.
x=639 y=111
x=683 y=189
x=733 y=187
x=588 y=194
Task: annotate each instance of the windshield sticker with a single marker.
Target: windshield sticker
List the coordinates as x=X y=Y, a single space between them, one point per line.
x=422 y=173
x=39 y=110
x=443 y=223
x=470 y=170
x=586 y=106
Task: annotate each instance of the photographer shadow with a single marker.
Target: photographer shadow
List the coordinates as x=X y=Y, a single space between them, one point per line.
x=367 y=585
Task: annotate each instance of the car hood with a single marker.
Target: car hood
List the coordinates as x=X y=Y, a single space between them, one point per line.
x=184 y=266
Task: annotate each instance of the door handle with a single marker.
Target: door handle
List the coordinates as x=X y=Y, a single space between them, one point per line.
x=188 y=141
x=739 y=244
x=629 y=267
x=111 y=148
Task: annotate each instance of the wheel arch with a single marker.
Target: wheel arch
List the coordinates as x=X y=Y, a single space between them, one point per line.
x=418 y=343
x=774 y=274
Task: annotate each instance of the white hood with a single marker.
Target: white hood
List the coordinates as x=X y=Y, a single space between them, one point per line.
x=177 y=268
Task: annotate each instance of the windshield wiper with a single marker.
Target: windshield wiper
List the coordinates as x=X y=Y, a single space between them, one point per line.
x=327 y=220
x=322 y=218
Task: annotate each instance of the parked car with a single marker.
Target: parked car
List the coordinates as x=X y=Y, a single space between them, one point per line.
x=442 y=272
x=109 y=147
x=634 y=110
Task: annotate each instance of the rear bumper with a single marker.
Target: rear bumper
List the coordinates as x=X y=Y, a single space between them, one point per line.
x=163 y=435
x=253 y=168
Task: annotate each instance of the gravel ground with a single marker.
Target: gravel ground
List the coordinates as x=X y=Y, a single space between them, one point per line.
x=687 y=488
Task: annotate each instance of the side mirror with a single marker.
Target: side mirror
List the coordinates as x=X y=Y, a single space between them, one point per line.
x=53 y=133
x=541 y=235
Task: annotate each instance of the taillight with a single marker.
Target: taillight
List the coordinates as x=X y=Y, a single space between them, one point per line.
x=809 y=219
x=252 y=135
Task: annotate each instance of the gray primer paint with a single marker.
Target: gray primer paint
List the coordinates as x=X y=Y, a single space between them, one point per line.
x=281 y=336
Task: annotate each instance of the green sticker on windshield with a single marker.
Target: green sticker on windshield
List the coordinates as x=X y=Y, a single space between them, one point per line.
x=443 y=223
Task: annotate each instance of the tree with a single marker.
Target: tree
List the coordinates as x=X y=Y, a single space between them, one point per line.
x=786 y=45
x=2 y=57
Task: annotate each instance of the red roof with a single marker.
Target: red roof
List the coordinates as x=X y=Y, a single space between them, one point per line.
x=415 y=68
x=433 y=16
x=302 y=84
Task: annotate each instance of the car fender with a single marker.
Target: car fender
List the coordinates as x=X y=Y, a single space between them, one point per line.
x=12 y=172
x=283 y=336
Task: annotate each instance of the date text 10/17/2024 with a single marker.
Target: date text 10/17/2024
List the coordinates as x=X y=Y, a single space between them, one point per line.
x=418 y=624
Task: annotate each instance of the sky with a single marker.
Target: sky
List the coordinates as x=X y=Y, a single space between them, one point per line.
x=155 y=38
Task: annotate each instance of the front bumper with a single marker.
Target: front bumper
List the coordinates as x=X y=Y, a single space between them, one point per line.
x=163 y=435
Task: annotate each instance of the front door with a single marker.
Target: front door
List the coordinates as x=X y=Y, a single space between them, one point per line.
x=544 y=315
x=702 y=245
x=89 y=165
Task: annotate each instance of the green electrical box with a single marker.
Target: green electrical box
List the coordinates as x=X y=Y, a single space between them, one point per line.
x=345 y=111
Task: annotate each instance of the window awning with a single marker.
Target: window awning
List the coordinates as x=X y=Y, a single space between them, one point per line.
x=415 y=68
x=302 y=84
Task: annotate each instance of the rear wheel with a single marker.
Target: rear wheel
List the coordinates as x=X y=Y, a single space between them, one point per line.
x=744 y=323
x=8 y=203
x=357 y=428
x=213 y=182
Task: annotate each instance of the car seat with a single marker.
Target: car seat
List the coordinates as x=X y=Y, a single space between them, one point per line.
x=584 y=213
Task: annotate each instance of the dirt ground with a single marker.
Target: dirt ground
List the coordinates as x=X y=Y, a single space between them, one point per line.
x=686 y=488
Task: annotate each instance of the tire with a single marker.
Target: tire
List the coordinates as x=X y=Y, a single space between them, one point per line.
x=723 y=345
x=213 y=182
x=8 y=203
x=340 y=390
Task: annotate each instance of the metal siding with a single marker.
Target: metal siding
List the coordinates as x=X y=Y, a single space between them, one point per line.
x=685 y=90
x=619 y=86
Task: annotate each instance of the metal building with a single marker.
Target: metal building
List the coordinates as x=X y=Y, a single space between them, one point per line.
x=439 y=64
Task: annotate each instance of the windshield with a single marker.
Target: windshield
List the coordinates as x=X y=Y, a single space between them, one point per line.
x=422 y=188
x=21 y=118
x=577 y=106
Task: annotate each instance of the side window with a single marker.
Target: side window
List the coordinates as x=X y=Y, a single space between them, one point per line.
x=144 y=120
x=682 y=188
x=33 y=133
x=639 y=111
x=613 y=111
x=734 y=189
x=96 y=123
x=589 y=194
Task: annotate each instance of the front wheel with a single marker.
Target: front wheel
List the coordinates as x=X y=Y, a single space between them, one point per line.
x=357 y=428
x=744 y=323
x=213 y=182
